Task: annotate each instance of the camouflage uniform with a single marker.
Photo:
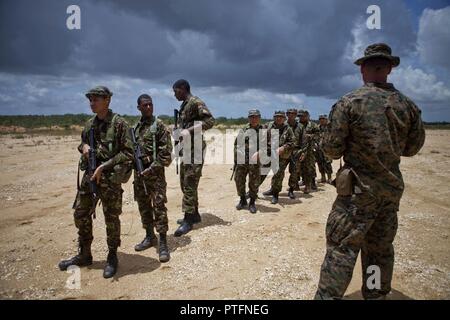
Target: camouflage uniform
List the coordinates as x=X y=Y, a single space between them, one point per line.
x=298 y=150
x=193 y=110
x=323 y=162
x=154 y=139
x=286 y=137
x=294 y=169
x=114 y=151
x=308 y=165
x=371 y=127
x=244 y=169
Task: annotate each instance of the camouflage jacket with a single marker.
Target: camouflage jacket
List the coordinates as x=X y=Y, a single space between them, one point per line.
x=372 y=127
x=154 y=139
x=311 y=132
x=294 y=126
x=112 y=143
x=286 y=137
x=194 y=109
x=305 y=137
x=243 y=151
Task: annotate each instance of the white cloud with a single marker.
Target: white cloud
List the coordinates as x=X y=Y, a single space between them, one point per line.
x=419 y=85
x=290 y=98
x=433 y=41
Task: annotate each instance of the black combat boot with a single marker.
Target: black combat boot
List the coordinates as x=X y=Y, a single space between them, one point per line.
x=274 y=198
x=111 y=264
x=323 y=179
x=313 y=185
x=196 y=218
x=185 y=226
x=251 y=206
x=164 y=254
x=268 y=192
x=307 y=188
x=329 y=178
x=82 y=259
x=242 y=203
x=149 y=241
x=291 y=194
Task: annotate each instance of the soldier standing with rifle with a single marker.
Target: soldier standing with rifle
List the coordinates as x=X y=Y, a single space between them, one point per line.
x=194 y=118
x=153 y=152
x=293 y=175
x=308 y=158
x=246 y=160
x=111 y=166
x=323 y=162
x=286 y=144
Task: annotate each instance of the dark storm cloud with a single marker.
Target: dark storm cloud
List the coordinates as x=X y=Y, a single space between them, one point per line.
x=281 y=46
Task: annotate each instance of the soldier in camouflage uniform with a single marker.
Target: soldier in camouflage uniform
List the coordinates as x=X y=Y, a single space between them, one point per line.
x=293 y=170
x=194 y=119
x=308 y=159
x=371 y=127
x=246 y=163
x=156 y=146
x=114 y=156
x=323 y=162
x=286 y=144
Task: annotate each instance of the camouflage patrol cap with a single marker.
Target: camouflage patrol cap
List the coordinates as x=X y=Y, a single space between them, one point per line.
x=99 y=91
x=379 y=50
x=292 y=110
x=279 y=113
x=323 y=116
x=254 y=112
x=302 y=112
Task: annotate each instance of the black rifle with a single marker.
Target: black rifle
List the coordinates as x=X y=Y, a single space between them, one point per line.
x=92 y=166
x=177 y=141
x=234 y=170
x=138 y=158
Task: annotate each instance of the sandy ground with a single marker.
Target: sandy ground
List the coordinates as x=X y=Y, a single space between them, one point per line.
x=275 y=254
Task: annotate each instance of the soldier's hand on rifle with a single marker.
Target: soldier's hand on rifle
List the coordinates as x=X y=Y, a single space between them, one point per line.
x=302 y=157
x=86 y=149
x=147 y=171
x=97 y=174
x=280 y=150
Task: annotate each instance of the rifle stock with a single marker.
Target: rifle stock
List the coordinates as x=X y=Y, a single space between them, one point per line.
x=92 y=166
x=175 y=115
x=137 y=152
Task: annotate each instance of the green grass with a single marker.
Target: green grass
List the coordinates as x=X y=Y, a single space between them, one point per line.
x=30 y=122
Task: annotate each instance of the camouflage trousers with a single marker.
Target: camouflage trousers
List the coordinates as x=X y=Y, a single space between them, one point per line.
x=152 y=206
x=323 y=163
x=308 y=168
x=240 y=178
x=276 y=183
x=295 y=171
x=189 y=179
x=305 y=169
x=359 y=222
x=111 y=199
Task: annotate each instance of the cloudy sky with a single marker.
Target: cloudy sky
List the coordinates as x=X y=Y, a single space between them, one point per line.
x=237 y=55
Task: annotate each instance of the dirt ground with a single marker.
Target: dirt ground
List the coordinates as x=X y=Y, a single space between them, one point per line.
x=275 y=254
